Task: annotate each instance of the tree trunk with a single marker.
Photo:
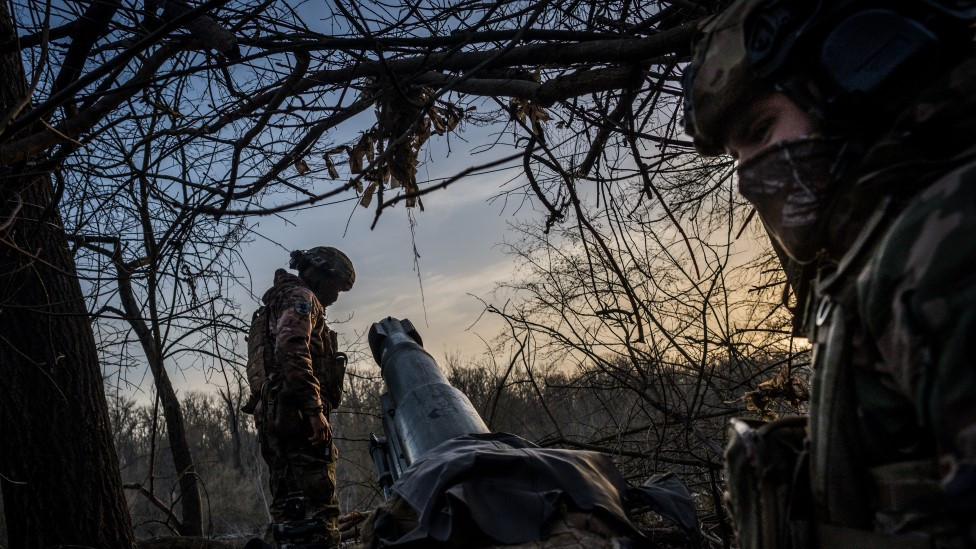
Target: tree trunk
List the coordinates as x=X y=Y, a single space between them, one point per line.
x=58 y=468
x=232 y=406
x=191 y=500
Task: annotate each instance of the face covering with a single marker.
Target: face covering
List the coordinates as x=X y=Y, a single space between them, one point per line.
x=789 y=184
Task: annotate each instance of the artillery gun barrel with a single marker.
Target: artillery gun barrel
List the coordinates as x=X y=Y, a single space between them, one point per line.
x=426 y=409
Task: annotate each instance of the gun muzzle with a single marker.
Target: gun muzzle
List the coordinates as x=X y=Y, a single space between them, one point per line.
x=427 y=409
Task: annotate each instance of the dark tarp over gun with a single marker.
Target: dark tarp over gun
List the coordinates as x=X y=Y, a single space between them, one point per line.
x=510 y=490
x=455 y=484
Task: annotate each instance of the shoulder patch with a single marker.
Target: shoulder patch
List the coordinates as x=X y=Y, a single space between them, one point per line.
x=303 y=306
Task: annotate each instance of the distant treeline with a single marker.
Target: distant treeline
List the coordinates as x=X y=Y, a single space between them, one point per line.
x=593 y=409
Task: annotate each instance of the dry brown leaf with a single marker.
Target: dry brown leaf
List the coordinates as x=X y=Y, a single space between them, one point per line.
x=368 y=195
x=356 y=158
x=387 y=176
x=453 y=119
x=537 y=113
x=781 y=387
x=517 y=108
x=436 y=117
x=333 y=172
x=370 y=145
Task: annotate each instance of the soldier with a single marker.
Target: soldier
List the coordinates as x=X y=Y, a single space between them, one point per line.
x=853 y=126
x=296 y=381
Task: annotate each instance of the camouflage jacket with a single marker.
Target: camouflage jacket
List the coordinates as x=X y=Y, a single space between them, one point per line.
x=893 y=409
x=301 y=340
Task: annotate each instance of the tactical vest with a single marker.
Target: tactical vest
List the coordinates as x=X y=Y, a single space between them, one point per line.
x=830 y=484
x=260 y=352
x=873 y=471
x=329 y=368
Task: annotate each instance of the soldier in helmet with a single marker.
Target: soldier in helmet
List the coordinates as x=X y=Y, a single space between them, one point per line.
x=853 y=126
x=296 y=380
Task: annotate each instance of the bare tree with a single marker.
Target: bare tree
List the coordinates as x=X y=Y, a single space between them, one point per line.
x=143 y=118
x=161 y=279
x=58 y=469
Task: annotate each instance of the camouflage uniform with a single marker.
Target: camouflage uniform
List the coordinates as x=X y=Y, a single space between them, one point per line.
x=891 y=442
x=893 y=412
x=301 y=342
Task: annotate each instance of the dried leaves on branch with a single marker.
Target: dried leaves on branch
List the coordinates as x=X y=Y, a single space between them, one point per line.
x=257 y=96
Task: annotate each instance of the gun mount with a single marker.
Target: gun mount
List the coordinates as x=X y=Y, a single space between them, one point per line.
x=295 y=531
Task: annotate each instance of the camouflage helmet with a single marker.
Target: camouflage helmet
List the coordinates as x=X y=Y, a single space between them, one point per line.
x=719 y=77
x=327 y=261
x=850 y=65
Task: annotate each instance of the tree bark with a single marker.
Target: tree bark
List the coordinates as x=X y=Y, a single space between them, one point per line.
x=58 y=468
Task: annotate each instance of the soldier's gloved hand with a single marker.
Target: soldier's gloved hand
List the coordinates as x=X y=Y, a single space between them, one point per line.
x=321 y=430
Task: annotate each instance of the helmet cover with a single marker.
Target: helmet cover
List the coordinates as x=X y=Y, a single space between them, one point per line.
x=719 y=76
x=328 y=261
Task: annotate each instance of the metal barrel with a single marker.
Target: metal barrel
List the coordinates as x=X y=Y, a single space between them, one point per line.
x=427 y=409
